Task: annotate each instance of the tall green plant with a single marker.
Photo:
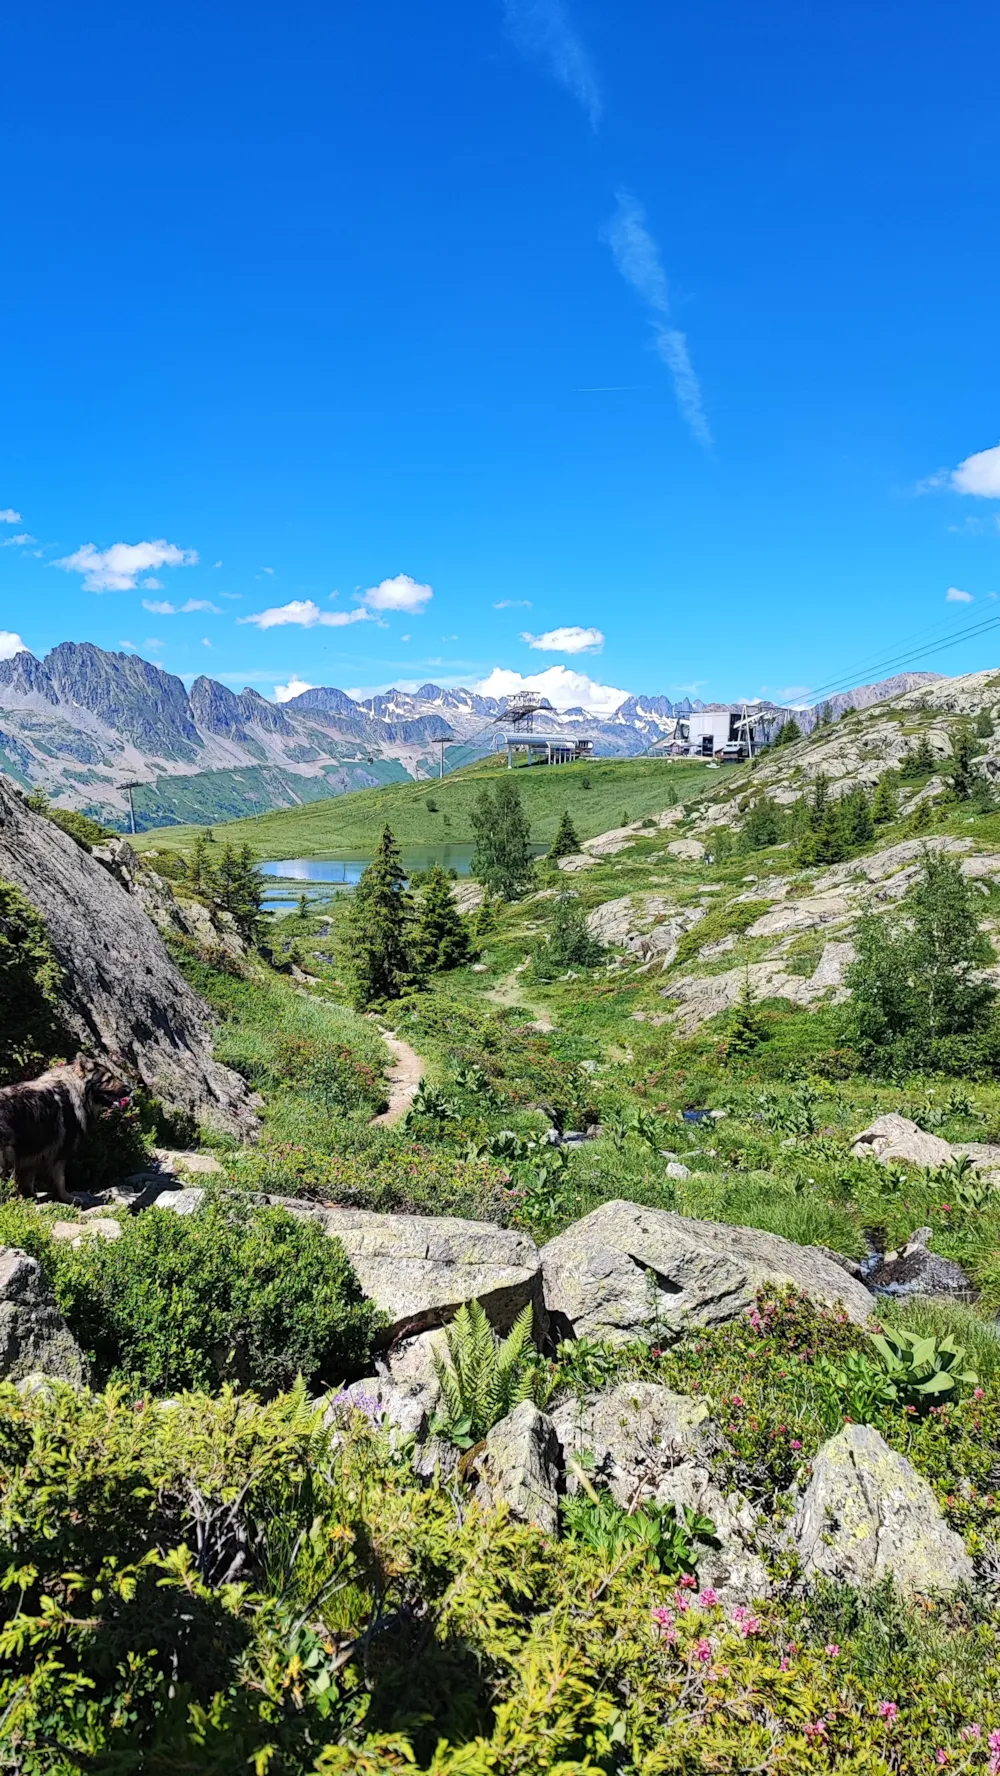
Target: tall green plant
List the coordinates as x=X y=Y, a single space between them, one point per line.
x=502 y=859
x=566 y=842
x=378 y=927
x=29 y=978
x=485 y=1377
x=440 y=935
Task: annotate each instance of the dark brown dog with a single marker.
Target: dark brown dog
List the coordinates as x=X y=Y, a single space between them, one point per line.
x=43 y=1120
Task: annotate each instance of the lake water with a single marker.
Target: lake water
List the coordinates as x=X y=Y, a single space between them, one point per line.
x=317 y=877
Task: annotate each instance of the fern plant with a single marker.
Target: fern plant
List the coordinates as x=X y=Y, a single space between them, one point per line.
x=485 y=1377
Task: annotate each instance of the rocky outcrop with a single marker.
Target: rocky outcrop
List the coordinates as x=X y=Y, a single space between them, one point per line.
x=121 y=995
x=519 y=1467
x=891 y=1137
x=647 y=1444
x=866 y=1515
x=34 y=1337
x=644 y=924
x=419 y=1269
x=916 y=1270
x=626 y=1272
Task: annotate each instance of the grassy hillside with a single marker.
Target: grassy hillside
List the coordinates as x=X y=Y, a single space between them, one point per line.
x=599 y=795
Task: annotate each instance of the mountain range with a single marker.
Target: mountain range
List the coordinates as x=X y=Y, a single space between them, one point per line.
x=82 y=724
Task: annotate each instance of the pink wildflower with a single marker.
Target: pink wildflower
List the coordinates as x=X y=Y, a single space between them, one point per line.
x=940 y=1756
x=888 y=1710
x=972 y=1731
x=708 y=1598
x=796 y=1443
x=832 y=1650
x=783 y=1664
x=816 y=1729
x=682 y=1603
x=979 y=1393
x=737 y=1400
x=994 y=1744
x=688 y=1581
x=663 y=1616
x=703 y=1650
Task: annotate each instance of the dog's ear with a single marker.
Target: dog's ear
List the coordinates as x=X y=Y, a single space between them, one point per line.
x=83 y=1066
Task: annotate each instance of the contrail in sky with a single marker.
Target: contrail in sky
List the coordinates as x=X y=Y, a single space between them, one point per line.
x=637 y=258
x=541 y=28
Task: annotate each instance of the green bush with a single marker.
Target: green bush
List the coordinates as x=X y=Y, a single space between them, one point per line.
x=409 y=1177
x=30 y=1029
x=229 y=1293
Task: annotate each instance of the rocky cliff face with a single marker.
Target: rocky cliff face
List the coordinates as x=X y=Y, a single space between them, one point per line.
x=122 y=997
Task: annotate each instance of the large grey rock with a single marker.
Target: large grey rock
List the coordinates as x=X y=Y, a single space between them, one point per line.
x=519 y=1467
x=412 y=1367
x=647 y=1444
x=867 y=1515
x=916 y=1270
x=34 y=1337
x=385 y=1406
x=893 y=1137
x=419 y=1269
x=645 y=924
x=120 y=994
x=627 y=1272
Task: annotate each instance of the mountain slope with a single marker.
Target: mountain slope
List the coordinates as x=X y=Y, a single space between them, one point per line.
x=83 y=723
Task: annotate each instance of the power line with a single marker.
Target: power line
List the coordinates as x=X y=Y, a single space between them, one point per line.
x=849 y=680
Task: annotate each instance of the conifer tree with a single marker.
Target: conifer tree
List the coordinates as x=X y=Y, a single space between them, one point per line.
x=747 y=1030
x=378 y=922
x=565 y=843
x=788 y=732
x=201 y=869
x=238 y=890
x=856 y=818
x=963 y=771
x=440 y=937
x=502 y=860
x=885 y=802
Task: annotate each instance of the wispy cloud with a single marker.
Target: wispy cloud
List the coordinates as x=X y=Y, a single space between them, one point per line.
x=542 y=30
x=117 y=569
x=954 y=596
x=637 y=258
x=507 y=604
x=10 y=644
x=160 y=607
x=571 y=640
x=9 y=516
x=304 y=614
x=402 y=593
x=21 y=541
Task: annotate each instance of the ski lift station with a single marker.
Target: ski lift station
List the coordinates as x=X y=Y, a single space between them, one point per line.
x=517 y=734
x=725 y=732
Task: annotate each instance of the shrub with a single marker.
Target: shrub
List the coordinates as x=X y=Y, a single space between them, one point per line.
x=29 y=980
x=666 y=1539
x=229 y=1293
x=410 y=1178
x=569 y=943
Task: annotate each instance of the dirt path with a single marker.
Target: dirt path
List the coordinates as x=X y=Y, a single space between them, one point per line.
x=508 y=992
x=403 y=1078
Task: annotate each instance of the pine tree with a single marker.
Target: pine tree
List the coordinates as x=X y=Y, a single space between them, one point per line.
x=984 y=726
x=857 y=818
x=762 y=826
x=440 y=937
x=201 y=869
x=502 y=860
x=238 y=890
x=788 y=732
x=570 y=944
x=484 y=919
x=377 y=942
x=747 y=1030
x=565 y=843
x=963 y=771
x=922 y=816
x=885 y=802
x=919 y=762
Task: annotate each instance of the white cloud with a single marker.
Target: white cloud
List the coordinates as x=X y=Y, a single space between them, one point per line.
x=563 y=687
x=9 y=516
x=294 y=688
x=200 y=604
x=159 y=607
x=954 y=596
x=19 y=542
x=151 y=642
x=637 y=258
x=572 y=640
x=979 y=474
x=152 y=584
x=403 y=593
x=305 y=615
x=117 y=569
x=129 y=646
x=205 y=642
x=506 y=604
x=542 y=29
x=10 y=644
x=406 y=638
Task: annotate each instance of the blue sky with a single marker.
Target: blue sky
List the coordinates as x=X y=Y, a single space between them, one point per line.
x=634 y=342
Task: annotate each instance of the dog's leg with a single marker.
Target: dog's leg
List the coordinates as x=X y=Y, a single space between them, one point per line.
x=58 y=1175
x=24 y=1177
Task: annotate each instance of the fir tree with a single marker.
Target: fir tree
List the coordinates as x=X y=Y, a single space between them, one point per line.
x=378 y=922
x=963 y=771
x=762 y=826
x=747 y=1029
x=984 y=727
x=565 y=843
x=918 y=761
x=440 y=937
x=201 y=869
x=922 y=816
x=502 y=860
x=857 y=819
x=885 y=802
x=788 y=732
x=239 y=891
x=570 y=944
